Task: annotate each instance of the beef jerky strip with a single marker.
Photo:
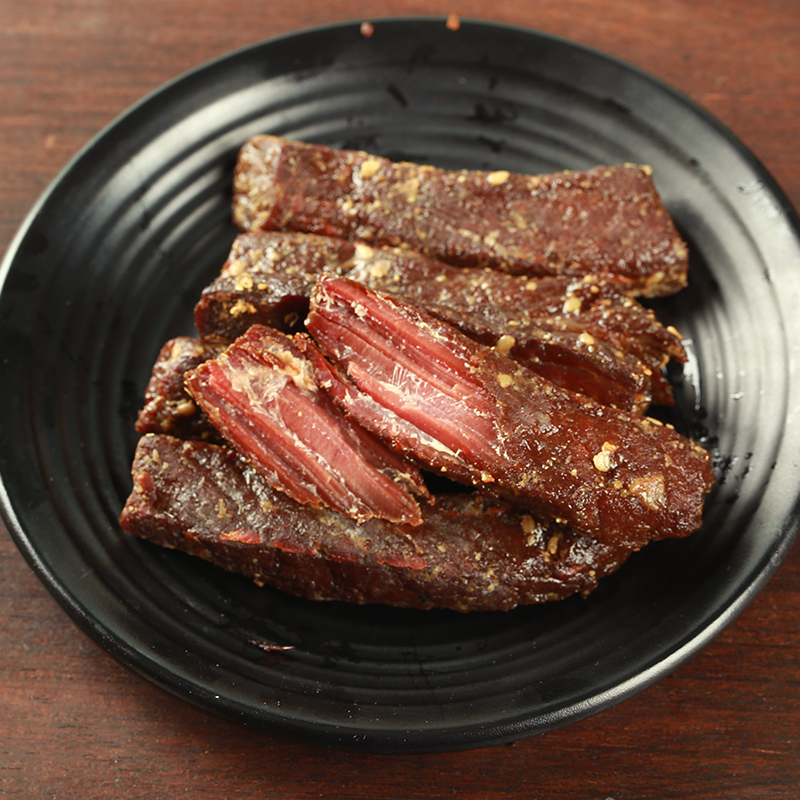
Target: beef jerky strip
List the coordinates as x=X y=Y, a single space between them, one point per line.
x=481 y=418
x=600 y=343
x=168 y=407
x=605 y=221
x=508 y=306
x=616 y=357
x=275 y=271
x=260 y=395
x=471 y=553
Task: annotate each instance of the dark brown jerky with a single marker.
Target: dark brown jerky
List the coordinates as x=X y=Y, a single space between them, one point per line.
x=605 y=221
x=479 y=417
x=267 y=278
x=579 y=333
x=511 y=306
x=260 y=394
x=574 y=360
x=168 y=407
x=472 y=553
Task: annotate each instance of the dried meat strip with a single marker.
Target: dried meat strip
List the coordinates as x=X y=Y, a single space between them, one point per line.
x=479 y=417
x=260 y=394
x=471 y=553
x=574 y=360
x=582 y=334
x=606 y=221
x=509 y=305
x=168 y=408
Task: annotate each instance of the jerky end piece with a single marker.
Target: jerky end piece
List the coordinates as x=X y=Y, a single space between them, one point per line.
x=168 y=408
x=267 y=279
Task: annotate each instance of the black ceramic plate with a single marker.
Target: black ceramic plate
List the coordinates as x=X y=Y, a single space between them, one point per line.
x=112 y=258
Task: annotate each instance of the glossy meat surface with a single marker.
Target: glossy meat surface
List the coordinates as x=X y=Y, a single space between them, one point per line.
x=605 y=221
x=480 y=418
x=471 y=553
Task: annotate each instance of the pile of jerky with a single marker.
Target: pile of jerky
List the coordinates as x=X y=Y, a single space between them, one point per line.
x=421 y=387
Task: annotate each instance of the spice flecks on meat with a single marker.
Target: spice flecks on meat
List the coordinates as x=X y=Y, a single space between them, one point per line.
x=468 y=555
x=605 y=221
x=542 y=446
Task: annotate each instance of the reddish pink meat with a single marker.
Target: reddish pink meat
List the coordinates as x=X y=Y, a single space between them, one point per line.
x=260 y=394
x=479 y=417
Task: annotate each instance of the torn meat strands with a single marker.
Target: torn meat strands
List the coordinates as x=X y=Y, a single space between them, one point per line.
x=472 y=553
x=260 y=394
x=606 y=221
x=477 y=416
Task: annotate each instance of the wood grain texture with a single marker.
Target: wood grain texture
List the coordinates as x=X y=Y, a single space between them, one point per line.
x=73 y=723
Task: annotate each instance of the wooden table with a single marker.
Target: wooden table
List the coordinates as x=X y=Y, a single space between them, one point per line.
x=74 y=723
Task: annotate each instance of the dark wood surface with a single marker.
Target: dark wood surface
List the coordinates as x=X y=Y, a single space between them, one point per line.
x=74 y=723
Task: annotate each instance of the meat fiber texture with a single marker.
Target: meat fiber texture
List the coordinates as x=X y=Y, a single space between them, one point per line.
x=325 y=504
x=261 y=396
x=607 y=221
x=582 y=334
x=472 y=553
x=477 y=416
